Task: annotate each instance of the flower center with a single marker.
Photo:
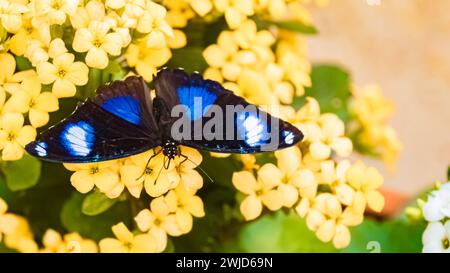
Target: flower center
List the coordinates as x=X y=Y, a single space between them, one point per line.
x=32 y=103
x=11 y=137
x=446 y=243
x=94 y=170
x=148 y=170
x=61 y=73
x=97 y=42
x=56 y=4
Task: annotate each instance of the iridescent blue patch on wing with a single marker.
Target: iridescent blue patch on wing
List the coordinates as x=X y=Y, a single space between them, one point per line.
x=41 y=148
x=78 y=138
x=197 y=99
x=125 y=107
x=252 y=129
x=288 y=137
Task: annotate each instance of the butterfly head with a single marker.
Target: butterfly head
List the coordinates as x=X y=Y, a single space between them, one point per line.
x=170 y=149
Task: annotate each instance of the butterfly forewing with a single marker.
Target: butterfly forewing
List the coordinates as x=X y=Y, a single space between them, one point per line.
x=91 y=134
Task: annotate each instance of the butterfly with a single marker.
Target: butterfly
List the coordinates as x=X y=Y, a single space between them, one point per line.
x=123 y=119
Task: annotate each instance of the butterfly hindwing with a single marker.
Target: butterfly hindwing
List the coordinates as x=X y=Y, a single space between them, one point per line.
x=91 y=134
x=245 y=130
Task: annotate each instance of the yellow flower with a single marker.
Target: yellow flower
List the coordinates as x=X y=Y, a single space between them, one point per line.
x=184 y=204
x=39 y=51
x=3 y=209
x=236 y=11
x=153 y=21
x=71 y=243
x=14 y=136
x=179 y=12
x=366 y=180
x=98 y=43
x=54 y=11
x=156 y=179
x=104 y=175
x=64 y=73
x=17 y=233
x=191 y=179
x=146 y=60
x=94 y=10
x=326 y=216
x=259 y=191
x=371 y=112
x=30 y=99
x=19 y=42
x=11 y=15
x=158 y=221
x=127 y=242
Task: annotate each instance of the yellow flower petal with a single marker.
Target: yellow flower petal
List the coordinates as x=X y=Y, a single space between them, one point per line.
x=251 y=207
x=195 y=206
x=63 y=88
x=245 y=182
x=78 y=73
x=326 y=231
x=375 y=200
x=269 y=175
x=38 y=118
x=82 y=181
x=272 y=199
x=341 y=237
x=110 y=245
x=47 y=102
x=106 y=180
x=144 y=220
x=184 y=221
x=46 y=72
x=97 y=58
x=82 y=40
x=143 y=243
x=122 y=233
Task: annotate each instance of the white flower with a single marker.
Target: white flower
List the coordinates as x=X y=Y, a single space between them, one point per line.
x=436 y=238
x=437 y=206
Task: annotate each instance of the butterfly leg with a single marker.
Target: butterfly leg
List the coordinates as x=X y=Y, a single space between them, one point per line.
x=148 y=162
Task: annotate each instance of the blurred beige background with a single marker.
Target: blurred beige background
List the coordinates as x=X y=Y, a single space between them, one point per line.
x=404 y=46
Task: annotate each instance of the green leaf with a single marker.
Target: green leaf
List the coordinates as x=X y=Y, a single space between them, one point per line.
x=331 y=88
x=96 y=203
x=22 y=174
x=56 y=31
x=112 y=72
x=189 y=58
x=296 y=26
x=23 y=63
x=95 y=227
x=392 y=236
x=291 y=25
x=280 y=232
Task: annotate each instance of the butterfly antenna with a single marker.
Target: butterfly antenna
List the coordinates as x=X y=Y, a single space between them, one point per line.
x=196 y=166
x=159 y=173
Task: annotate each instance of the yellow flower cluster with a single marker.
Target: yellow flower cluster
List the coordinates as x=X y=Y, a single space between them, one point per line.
x=16 y=234
x=171 y=214
x=173 y=189
x=236 y=12
x=244 y=62
x=330 y=195
x=371 y=112
x=134 y=174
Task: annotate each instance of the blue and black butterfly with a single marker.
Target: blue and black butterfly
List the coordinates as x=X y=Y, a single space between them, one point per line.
x=123 y=120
